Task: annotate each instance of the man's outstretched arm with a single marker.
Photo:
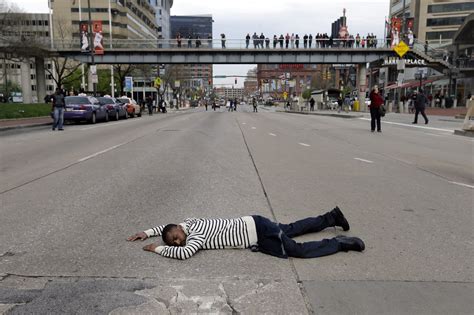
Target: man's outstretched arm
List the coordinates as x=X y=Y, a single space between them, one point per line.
x=156 y=231
x=193 y=244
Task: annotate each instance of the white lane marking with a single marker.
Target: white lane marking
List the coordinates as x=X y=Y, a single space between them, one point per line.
x=254 y=127
x=99 y=126
x=366 y=161
x=100 y=152
x=412 y=126
x=304 y=144
x=244 y=123
x=272 y=134
x=462 y=184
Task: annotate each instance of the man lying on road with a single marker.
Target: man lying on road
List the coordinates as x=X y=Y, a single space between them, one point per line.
x=254 y=232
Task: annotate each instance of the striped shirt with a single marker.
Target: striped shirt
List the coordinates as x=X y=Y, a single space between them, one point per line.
x=209 y=234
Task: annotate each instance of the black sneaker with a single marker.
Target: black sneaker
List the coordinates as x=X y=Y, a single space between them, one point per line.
x=350 y=243
x=339 y=219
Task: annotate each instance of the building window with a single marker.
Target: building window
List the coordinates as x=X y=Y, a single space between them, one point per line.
x=458 y=20
x=46 y=22
x=33 y=23
x=451 y=7
x=33 y=77
x=50 y=88
x=438 y=35
x=40 y=23
x=33 y=87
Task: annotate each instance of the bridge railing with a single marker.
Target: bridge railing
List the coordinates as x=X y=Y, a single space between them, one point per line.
x=220 y=44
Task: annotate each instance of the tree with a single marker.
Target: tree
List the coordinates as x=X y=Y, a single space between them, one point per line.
x=120 y=72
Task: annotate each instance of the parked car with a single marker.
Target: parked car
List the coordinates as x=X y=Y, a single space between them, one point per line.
x=130 y=106
x=115 y=108
x=86 y=108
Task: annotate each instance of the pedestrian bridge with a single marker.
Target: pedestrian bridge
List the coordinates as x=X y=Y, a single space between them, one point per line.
x=234 y=52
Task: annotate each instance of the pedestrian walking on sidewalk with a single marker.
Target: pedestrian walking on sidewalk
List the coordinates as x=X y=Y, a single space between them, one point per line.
x=376 y=101
x=420 y=102
x=182 y=241
x=149 y=104
x=59 y=106
x=254 y=103
x=311 y=104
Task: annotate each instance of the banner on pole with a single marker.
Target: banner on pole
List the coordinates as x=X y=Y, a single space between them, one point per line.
x=84 y=38
x=128 y=84
x=98 y=37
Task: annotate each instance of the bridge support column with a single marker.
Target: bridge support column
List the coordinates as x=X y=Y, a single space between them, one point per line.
x=26 y=82
x=362 y=86
x=40 y=79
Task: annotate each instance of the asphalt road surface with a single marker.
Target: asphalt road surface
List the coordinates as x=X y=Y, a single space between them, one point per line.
x=70 y=199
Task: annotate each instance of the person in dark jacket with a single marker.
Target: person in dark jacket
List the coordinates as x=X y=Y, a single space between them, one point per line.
x=149 y=104
x=58 y=108
x=420 y=102
x=376 y=101
x=255 y=232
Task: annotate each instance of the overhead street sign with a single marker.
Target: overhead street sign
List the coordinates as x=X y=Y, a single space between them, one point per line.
x=401 y=49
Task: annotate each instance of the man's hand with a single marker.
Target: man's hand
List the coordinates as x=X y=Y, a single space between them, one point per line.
x=150 y=247
x=139 y=236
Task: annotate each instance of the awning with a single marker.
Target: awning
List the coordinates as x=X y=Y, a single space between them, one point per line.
x=409 y=84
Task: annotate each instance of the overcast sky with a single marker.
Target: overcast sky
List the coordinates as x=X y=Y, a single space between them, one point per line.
x=239 y=17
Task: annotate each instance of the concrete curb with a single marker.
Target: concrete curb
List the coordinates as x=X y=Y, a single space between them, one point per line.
x=24 y=126
x=323 y=114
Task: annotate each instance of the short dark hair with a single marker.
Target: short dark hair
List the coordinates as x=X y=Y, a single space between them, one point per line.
x=166 y=230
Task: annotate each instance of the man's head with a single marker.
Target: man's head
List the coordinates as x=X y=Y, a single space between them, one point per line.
x=173 y=235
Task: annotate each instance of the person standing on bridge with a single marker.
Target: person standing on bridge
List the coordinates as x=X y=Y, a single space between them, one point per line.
x=178 y=40
x=223 y=40
x=255 y=232
x=297 y=41
x=376 y=101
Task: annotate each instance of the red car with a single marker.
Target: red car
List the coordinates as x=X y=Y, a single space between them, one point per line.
x=131 y=106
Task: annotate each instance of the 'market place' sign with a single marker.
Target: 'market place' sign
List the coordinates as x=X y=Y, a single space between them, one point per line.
x=393 y=61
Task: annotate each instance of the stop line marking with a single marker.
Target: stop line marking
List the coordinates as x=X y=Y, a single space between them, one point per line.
x=304 y=144
x=411 y=125
x=272 y=134
x=362 y=160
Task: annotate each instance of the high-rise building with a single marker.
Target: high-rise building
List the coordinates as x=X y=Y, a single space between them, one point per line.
x=162 y=16
x=193 y=75
x=131 y=19
x=30 y=30
x=433 y=20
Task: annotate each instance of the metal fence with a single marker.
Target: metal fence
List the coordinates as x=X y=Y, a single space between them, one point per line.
x=226 y=44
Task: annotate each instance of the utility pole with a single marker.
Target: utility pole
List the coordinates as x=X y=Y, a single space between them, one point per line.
x=91 y=47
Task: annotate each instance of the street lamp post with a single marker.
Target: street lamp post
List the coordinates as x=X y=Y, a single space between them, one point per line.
x=91 y=47
x=83 y=78
x=112 y=81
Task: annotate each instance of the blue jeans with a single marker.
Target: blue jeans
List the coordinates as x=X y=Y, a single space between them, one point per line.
x=276 y=239
x=58 y=117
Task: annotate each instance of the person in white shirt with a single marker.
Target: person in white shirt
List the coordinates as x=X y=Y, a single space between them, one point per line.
x=258 y=233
